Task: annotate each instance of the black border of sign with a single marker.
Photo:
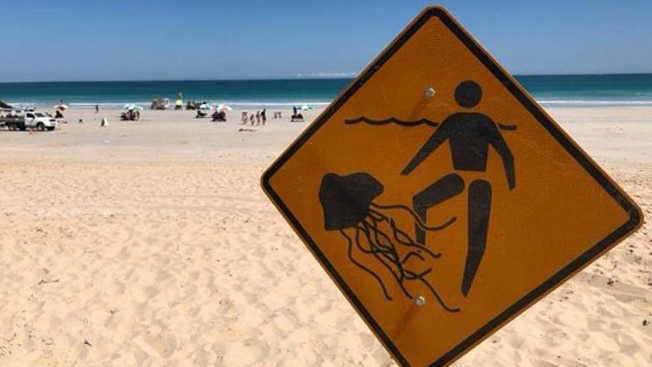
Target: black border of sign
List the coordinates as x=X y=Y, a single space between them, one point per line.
x=591 y=168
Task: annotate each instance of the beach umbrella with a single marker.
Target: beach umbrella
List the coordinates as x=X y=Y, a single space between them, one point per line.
x=60 y=106
x=131 y=106
x=223 y=107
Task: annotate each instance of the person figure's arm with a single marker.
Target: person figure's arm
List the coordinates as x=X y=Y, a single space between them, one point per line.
x=508 y=159
x=438 y=137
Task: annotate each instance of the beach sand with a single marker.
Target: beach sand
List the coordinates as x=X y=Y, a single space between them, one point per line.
x=151 y=243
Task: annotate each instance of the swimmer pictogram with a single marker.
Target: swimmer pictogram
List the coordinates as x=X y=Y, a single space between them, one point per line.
x=470 y=135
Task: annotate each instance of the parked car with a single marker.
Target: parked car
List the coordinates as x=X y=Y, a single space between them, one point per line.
x=33 y=120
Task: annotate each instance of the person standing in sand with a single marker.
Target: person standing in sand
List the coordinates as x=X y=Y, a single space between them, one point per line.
x=263 y=116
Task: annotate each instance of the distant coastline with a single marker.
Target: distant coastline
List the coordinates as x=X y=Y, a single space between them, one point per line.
x=518 y=76
x=549 y=90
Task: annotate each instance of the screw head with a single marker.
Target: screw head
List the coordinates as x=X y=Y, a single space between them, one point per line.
x=430 y=92
x=420 y=301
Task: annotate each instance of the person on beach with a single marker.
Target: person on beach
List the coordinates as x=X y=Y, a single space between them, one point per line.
x=251 y=119
x=263 y=116
x=244 y=117
x=97 y=108
x=257 y=117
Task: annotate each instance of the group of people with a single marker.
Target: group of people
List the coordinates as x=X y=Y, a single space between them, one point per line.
x=216 y=116
x=130 y=115
x=257 y=118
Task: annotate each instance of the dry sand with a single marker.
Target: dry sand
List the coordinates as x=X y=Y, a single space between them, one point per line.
x=150 y=243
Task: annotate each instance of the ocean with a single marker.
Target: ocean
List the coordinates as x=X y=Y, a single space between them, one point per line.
x=549 y=90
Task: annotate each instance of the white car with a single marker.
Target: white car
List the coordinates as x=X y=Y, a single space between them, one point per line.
x=40 y=121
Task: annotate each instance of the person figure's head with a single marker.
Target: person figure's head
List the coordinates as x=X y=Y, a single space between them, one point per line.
x=468 y=93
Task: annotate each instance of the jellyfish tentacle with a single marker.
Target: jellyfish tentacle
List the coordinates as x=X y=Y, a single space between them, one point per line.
x=412 y=275
x=383 y=260
x=411 y=254
x=382 y=255
x=372 y=248
x=404 y=274
x=417 y=219
x=388 y=246
x=385 y=242
x=369 y=271
x=376 y=215
x=440 y=300
x=397 y=233
x=396 y=259
x=380 y=239
x=423 y=226
x=410 y=242
x=380 y=252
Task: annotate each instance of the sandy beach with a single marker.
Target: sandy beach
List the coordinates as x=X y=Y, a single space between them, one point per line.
x=150 y=243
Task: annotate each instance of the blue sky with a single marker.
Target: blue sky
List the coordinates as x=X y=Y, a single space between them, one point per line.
x=212 y=39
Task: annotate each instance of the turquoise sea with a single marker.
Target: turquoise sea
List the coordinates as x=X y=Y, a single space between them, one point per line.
x=550 y=90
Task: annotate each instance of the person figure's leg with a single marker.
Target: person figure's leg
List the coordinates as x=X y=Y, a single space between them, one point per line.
x=444 y=189
x=479 y=208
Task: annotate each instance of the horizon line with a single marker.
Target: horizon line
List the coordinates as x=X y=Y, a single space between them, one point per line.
x=287 y=78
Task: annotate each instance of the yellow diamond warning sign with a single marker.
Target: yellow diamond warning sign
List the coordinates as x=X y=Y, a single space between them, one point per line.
x=440 y=198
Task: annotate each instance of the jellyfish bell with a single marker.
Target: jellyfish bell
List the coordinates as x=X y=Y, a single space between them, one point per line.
x=346 y=199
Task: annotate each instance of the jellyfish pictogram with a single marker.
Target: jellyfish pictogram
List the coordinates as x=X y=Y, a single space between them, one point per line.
x=349 y=207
